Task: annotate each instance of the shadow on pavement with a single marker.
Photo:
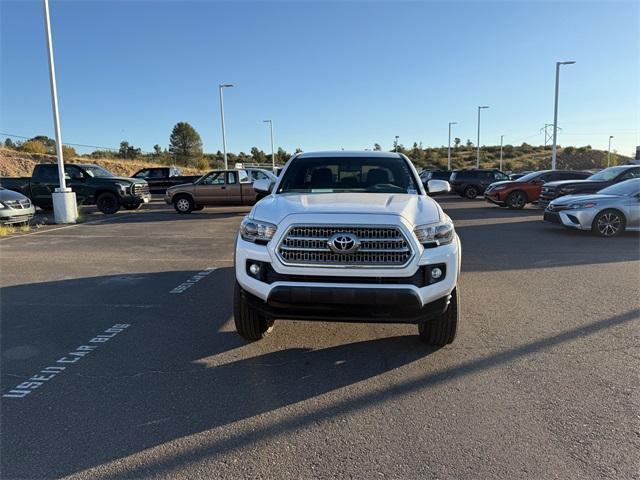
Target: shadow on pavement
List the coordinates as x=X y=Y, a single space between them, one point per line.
x=162 y=379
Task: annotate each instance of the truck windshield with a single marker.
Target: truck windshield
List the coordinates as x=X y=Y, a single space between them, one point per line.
x=348 y=174
x=96 y=171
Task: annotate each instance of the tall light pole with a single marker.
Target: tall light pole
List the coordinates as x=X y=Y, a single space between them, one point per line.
x=501 y=139
x=449 y=149
x=65 y=209
x=273 y=155
x=555 y=113
x=224 y=134
x=478 y=145
x=609 y=152
x=395 y=145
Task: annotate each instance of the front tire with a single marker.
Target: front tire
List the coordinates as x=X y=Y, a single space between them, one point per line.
x=250 y=324
x=609 y=223
x=441 y=331
x=516 y=200
x=108 y=203
x=183 y=204
x=471 y=192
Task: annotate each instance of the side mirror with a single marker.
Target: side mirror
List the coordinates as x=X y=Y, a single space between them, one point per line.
x=263 y=186
x=435 y=187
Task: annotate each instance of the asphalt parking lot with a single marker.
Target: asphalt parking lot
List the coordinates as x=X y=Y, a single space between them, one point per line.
x=542 y=381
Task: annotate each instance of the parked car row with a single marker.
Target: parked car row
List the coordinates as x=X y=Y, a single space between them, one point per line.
x=92 y=184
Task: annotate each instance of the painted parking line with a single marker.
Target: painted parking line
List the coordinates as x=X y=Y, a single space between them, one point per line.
x=184 y=286
x=48 y=373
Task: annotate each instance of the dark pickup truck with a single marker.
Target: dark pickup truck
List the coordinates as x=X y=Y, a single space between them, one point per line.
x=592 y=184
x=161 y=178
x=92 y=184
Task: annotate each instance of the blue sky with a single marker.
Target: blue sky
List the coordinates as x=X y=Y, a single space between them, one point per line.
x=330 y=75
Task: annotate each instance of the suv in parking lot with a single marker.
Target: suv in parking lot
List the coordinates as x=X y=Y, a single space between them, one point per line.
x=348 y=236
x=473 y=182
x=516 y=194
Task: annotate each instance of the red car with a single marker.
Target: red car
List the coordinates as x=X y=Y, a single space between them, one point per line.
x=517 y=193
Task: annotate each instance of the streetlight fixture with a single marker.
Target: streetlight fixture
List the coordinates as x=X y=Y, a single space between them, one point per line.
x=449 y=149
x=501 y=139
x=609 y=152
x=65 y=209
x=555 y=113
x=224 y=135
x=478 y=145
x=395 y=145
x=273 y=155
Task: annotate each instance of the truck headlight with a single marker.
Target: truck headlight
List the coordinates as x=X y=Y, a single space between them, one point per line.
x=256 y=231
x=123 y=187
x=435 y=234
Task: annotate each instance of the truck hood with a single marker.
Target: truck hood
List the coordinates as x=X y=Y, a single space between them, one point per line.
x=415 y=209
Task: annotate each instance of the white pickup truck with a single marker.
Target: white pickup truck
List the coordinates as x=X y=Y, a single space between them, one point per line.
x=348 y=236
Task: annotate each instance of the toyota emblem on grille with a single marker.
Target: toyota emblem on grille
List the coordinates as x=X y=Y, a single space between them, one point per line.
x=344 y=243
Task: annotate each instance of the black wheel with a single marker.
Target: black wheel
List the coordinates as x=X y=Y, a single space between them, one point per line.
x=250 y=324
x=197 y=208
x=108 y=203
x=183 y=204
x=441 y=330
x=516 y=200
x=471 y=192
x=609 y=223
x=132 y=206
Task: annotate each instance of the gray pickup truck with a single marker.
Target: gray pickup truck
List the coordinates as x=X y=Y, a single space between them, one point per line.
x=217 y=188
x=92 y=184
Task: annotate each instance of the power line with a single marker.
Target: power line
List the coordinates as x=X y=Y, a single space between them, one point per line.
x=67 y=143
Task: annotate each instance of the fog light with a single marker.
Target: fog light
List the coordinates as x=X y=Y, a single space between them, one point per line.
x=436 y=273
x=254 y=269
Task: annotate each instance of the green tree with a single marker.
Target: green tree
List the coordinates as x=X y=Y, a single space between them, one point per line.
x=127 y=150
x=8 y=143
x=456 y=143
x=258 y=155
x=157 y=150
x=469 y=143
x=185 y=144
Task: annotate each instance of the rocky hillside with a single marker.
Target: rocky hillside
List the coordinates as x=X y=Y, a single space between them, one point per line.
x=14 y=163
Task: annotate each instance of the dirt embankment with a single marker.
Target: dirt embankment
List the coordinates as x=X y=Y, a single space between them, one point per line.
x=20 y=164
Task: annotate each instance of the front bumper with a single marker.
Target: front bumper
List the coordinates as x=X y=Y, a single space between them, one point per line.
x=135 y=199
x=340 y=296
x=579 y=219
x=494 y=197
x=12 y=215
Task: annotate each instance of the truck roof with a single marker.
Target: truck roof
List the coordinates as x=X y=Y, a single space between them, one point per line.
x=350 y=153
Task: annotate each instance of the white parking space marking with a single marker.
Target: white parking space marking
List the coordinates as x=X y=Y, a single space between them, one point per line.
x=46 y=374
x=193 y=280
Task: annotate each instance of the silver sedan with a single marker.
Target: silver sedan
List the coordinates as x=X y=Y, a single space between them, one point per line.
x=15 y=207
x=607 y=213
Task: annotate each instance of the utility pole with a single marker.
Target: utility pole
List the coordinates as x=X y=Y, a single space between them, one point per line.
x=555 y=114
x=501 y=139
x=609 y=152
x=224 y=136
x=65 y=209
x=449 y=148
x=273 y=155
x=478 y=145
x=395 y=145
